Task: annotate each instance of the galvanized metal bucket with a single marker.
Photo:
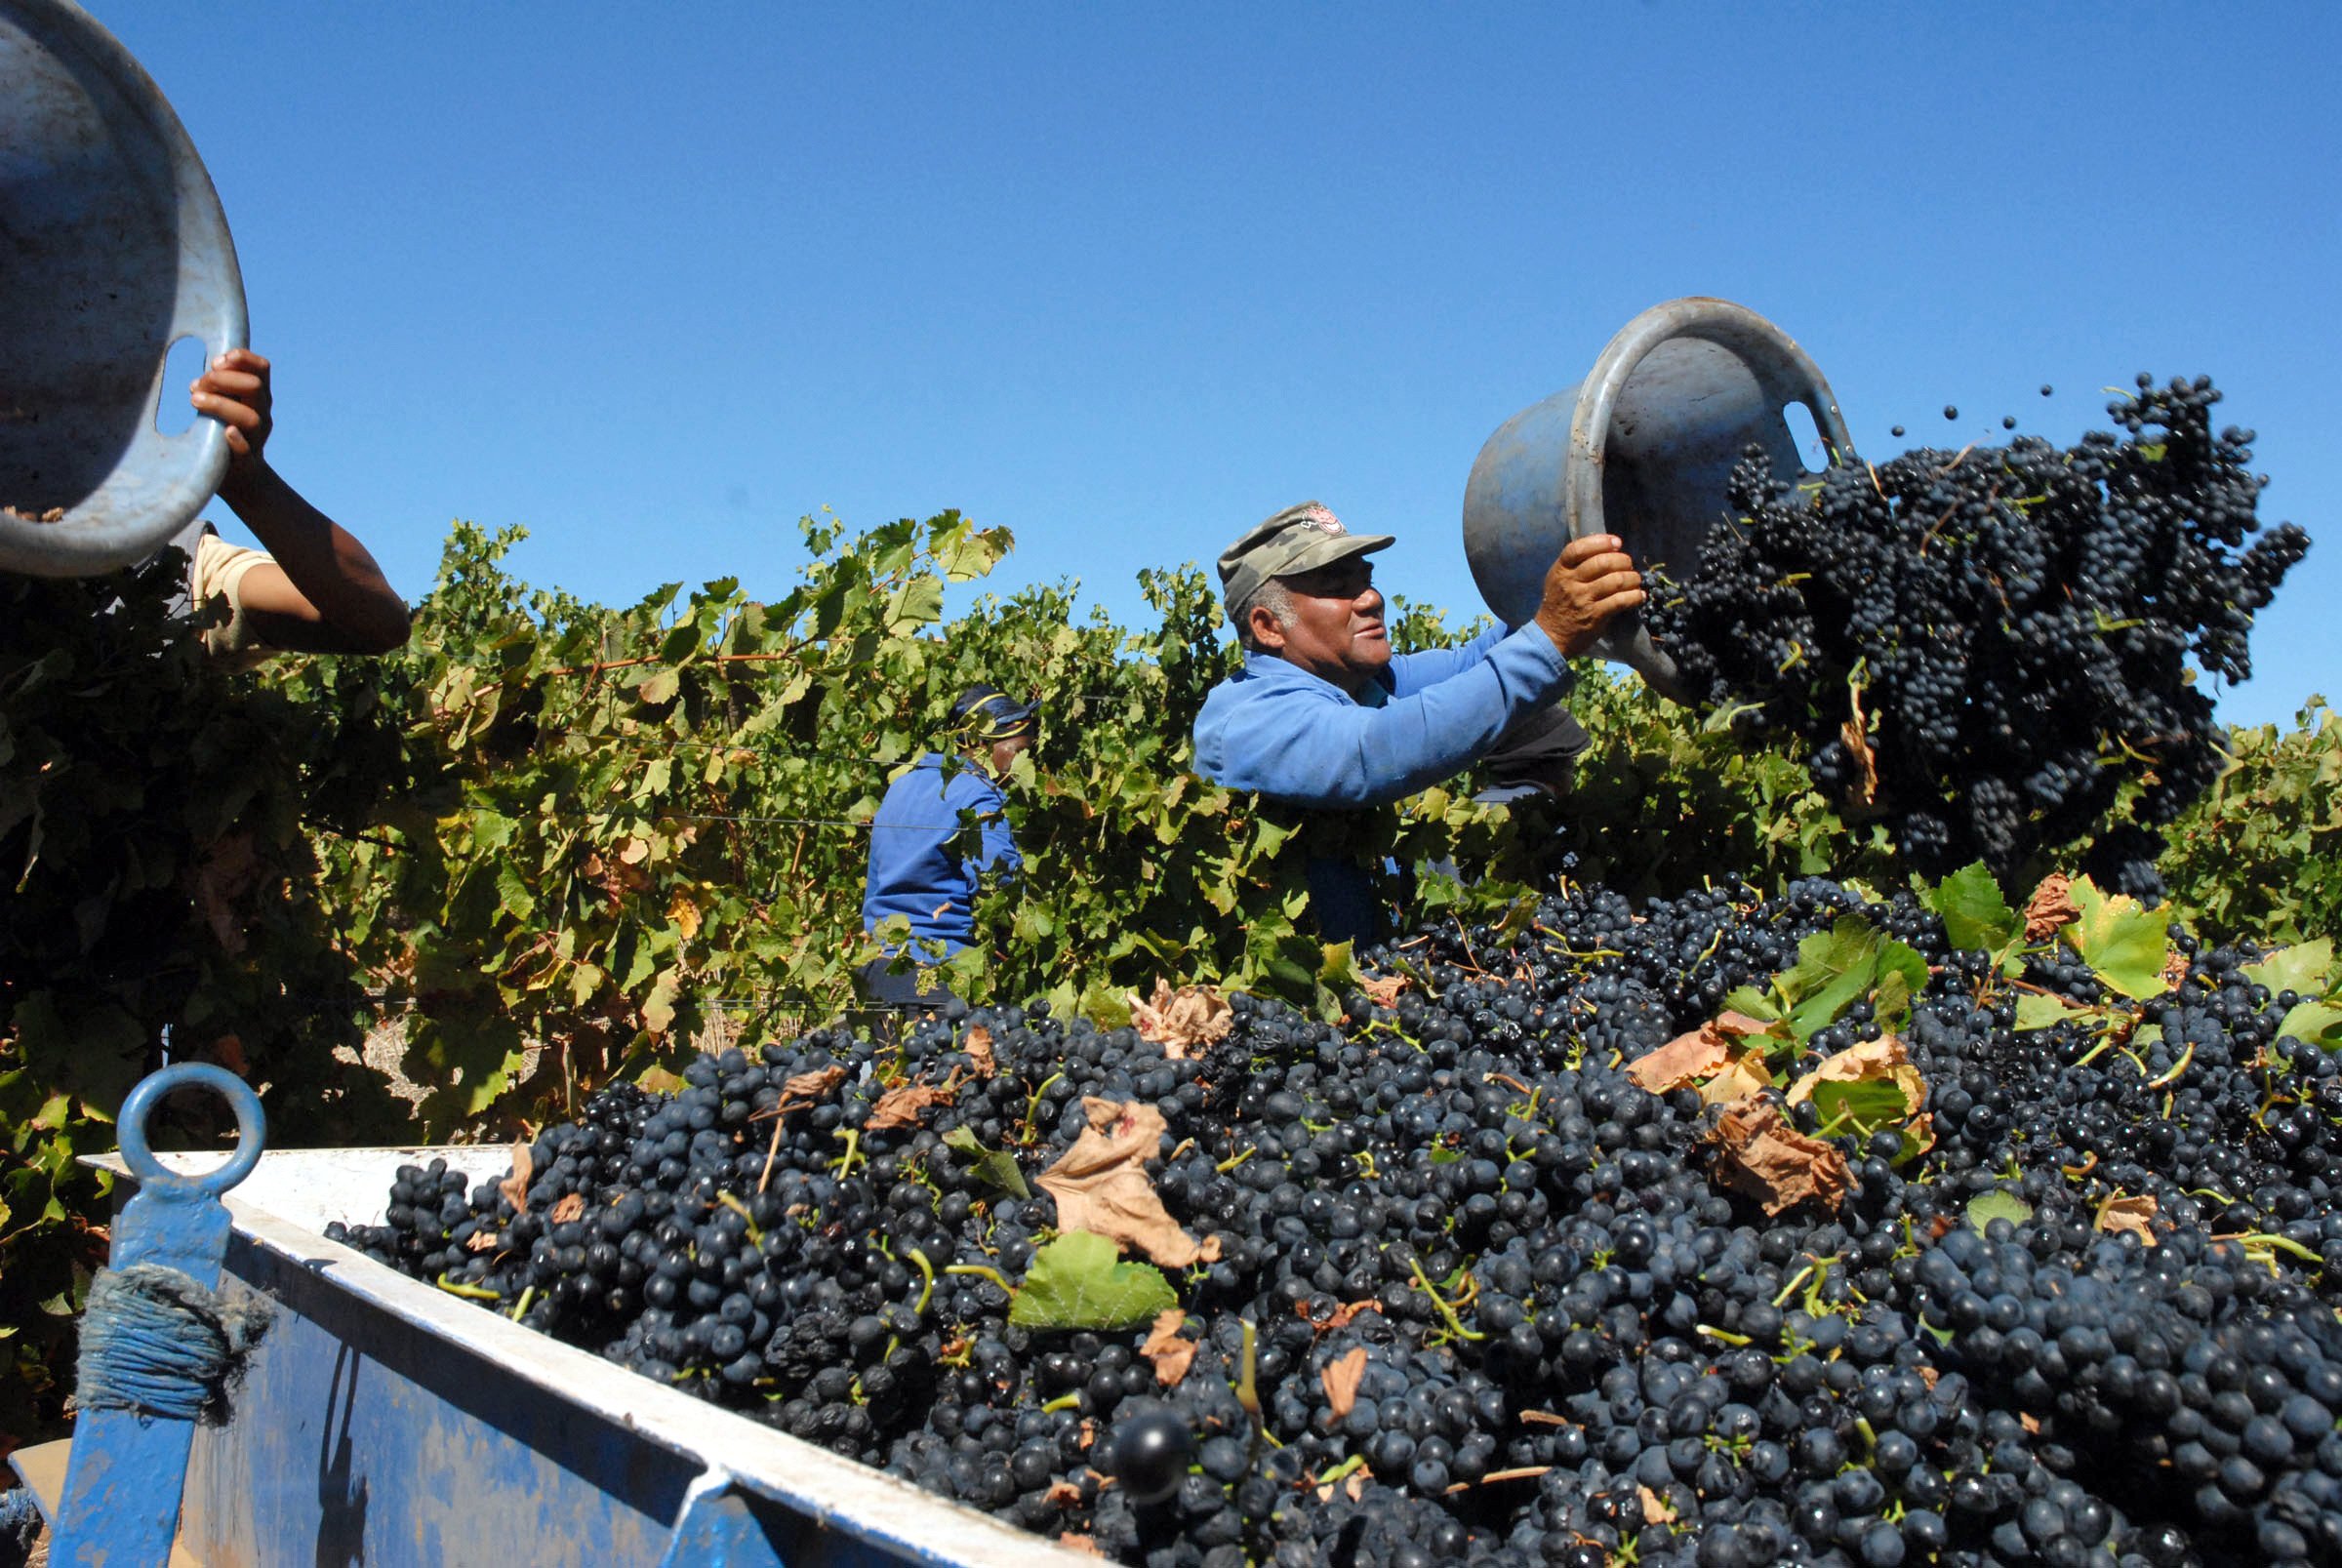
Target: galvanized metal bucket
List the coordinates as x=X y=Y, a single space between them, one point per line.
x=1641 y=448
x=112 y=249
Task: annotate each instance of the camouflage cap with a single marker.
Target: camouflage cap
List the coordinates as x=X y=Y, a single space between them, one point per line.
x=1300 y=539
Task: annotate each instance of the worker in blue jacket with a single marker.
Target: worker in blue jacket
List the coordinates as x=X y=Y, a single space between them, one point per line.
x=1322 y=716
x=914 y=870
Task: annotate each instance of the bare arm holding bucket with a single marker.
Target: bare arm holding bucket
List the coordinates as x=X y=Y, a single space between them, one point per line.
x=321 y=591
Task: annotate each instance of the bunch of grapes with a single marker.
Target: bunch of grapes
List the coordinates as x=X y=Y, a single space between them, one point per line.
x=1993 y=648
x=1475 y=1296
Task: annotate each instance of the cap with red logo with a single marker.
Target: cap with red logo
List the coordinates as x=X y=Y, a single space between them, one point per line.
x=1300 y=539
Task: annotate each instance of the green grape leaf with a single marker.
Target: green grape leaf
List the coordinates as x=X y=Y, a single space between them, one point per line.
x=916 y=603
x=2037 y=1010
x=2124 y=943
x=1079 y=1282
x=2307 y=968
x=1834 y=968
x=1757 y=1004
x=1863 y=1104
x=1892 y=1000
x=1838 y=967
x=994 y=1167
x=2317 y=1024
x=1976 y=917
x=1998 y=1204
x=1338 y=972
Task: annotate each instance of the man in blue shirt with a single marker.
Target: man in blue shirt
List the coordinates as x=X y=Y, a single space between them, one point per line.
x=915 y=871
x=1322 y=716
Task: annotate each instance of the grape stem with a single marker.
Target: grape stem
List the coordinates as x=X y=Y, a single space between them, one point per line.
x=755 y=1234
x=1032 y=1106
x=1248 y=1390
x=1455 y=1324
x=475 y=1293
x=979 y=1269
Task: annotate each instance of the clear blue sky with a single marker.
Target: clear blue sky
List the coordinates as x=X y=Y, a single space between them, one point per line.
x=654 y=280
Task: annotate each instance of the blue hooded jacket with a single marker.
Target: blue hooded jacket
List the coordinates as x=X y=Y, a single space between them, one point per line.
x=913 y=871
x=1277 y=730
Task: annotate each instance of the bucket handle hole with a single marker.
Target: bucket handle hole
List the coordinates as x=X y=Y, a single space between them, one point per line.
x=174 y=415
x=1807 y=435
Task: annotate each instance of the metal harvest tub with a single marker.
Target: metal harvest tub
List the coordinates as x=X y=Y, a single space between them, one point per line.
x=112 y=247
x=387 y=1423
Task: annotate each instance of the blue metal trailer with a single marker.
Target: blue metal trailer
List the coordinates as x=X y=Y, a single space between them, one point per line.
x=384 y=1422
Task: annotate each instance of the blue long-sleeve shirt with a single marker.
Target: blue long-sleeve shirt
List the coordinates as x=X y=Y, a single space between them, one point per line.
x=1277 y=730
x=913 y=872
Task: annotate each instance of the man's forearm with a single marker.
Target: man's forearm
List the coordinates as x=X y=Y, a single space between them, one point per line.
x=343 y=601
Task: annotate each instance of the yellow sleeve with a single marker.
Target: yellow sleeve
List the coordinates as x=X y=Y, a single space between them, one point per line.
x=219 y=572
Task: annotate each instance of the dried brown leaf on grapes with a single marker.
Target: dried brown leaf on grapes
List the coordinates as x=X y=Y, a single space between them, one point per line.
x=1100 y=1185
x=1762 y=1154
x=1697 y=1054
x=978 y=1044
x=1655 y=1507
x=803 y=1090
x=2051 y=907
x=572 y=1207
x=515 y=1186
x=2129 y=1217
x=1171 y=1351
x=1339 y=1379
x=1745 y=1075
x=1383 y=990
x=1686 y=1059
x=1863 y=792
x=1179 y=1021
x=1883 y=1059
x=905 y=1105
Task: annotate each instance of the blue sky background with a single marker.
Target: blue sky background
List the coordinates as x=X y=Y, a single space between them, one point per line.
x=656 y=280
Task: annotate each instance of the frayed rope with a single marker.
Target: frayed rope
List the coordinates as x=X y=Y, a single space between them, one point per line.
x=155 y=1343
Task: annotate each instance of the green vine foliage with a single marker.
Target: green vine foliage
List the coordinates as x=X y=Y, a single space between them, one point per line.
x=155 y=819
x=550 y=844
x=2260 y=857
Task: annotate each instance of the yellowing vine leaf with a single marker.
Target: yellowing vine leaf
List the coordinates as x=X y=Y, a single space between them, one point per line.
x=2129 y=1217
x=1100 y=1185
x=1179 y=1021
x=515 y=1186
x=907 y=1105
x=1339 y=1379
x=1171 y=1351
x=978 y=1044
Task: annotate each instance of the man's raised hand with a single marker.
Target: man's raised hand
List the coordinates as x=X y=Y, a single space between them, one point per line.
x=1590 y=581
x=233 y=389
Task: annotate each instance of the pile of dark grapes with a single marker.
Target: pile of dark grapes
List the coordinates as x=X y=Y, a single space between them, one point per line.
x=1577 y=1348
x=2026 y=625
